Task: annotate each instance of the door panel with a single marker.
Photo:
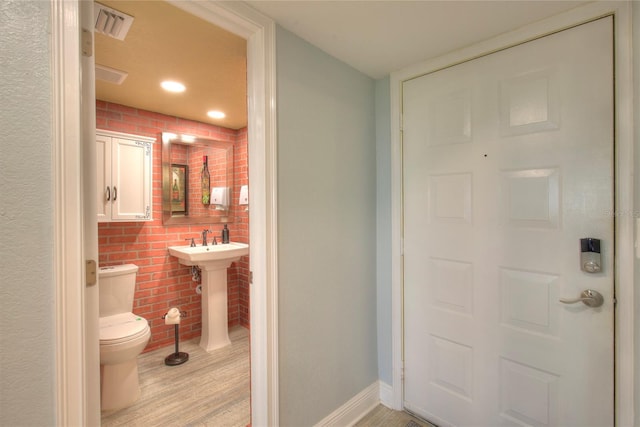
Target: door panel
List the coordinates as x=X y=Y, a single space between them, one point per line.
x=507 y=163
x=129 y=168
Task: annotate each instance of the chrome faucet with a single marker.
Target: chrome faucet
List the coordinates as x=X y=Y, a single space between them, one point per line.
x=204 y=236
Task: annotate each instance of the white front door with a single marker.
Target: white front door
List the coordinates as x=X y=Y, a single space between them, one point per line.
x=507 y=164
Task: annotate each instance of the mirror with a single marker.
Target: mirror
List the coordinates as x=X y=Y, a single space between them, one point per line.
x=184 y=197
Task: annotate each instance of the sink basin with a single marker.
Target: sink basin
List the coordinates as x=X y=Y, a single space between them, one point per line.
x=213 y=261
x=197 y=255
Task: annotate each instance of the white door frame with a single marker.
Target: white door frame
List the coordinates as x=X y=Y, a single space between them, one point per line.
x=71 y=361
x=624 y=168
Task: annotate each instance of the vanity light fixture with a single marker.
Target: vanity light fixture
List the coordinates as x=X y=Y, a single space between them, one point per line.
x=173 y=86
x=215 y=114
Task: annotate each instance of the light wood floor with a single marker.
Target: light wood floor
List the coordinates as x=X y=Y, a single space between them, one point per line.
x=381 y=416
x=210 y=389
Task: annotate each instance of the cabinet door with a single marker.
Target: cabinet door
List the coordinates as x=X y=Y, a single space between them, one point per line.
x=103 y=177
x=131 y=180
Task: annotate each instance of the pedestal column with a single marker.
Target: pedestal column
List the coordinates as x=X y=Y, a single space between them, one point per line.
x=215 y=331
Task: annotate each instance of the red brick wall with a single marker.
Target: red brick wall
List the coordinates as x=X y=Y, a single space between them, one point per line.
x=162 y=283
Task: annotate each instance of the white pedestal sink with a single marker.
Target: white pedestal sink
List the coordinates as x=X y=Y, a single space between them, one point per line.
x=213 y=260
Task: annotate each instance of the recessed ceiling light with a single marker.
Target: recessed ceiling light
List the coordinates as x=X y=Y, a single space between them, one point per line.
x=214 y=114
x=172 y=86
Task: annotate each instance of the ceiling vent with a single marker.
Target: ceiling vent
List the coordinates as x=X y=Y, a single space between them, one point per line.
x=110 y=75
x=111 y=22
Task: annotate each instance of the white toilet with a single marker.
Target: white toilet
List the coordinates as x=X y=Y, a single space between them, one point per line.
x=123 y=336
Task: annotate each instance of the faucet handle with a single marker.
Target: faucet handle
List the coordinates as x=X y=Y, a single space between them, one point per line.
x=193 y=242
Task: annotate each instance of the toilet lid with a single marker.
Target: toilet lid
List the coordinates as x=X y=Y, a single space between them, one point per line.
x=119 y=326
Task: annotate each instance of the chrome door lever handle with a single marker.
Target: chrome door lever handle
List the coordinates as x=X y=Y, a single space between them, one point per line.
x=573 y=301
x=589 y=297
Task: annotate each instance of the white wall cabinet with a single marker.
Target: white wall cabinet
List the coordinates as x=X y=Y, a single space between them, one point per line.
x=124 y=176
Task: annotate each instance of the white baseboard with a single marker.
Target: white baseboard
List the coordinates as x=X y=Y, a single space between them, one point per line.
x=356 y=408
x=386 y=394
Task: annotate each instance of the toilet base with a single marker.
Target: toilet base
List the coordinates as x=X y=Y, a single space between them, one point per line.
x=119 y=385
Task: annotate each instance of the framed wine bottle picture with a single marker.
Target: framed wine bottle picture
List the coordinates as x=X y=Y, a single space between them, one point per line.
x=179 y=186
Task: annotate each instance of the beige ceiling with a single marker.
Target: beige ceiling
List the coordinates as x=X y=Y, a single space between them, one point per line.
x=165 y=42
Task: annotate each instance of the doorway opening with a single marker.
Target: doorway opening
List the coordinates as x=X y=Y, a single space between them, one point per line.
x=165 y=43
x=78 y=380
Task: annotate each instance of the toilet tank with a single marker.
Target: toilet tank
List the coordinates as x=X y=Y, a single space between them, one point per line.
x=117 y=285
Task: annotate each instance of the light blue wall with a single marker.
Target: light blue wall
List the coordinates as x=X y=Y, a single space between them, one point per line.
x=326 y=231
x=27 y=355
x=383 y=226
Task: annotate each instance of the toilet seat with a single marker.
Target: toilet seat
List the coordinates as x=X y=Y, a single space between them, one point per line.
x=121 y=328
